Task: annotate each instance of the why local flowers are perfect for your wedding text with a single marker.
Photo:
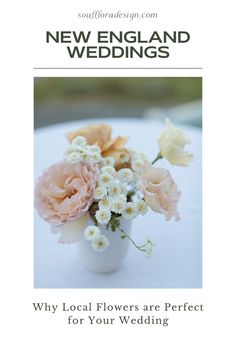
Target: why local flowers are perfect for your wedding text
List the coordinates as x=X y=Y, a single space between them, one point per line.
x=129 y=314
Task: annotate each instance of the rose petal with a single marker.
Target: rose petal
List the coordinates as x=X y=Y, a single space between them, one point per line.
x=73 y=232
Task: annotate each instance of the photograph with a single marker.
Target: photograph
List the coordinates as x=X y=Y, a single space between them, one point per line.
x=118 y=182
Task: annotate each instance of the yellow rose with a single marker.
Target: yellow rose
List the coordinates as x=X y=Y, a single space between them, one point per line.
x=172 y=142
x=100 y=134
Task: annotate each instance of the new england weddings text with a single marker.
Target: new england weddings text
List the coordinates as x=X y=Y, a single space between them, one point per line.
x=119 y=44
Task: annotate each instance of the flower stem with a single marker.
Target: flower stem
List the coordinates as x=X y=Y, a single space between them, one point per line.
x=140 y=248
x=159 y=156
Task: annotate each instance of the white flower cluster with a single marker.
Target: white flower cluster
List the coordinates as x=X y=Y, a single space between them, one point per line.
x=116 y=192
x=138 y=161
x=107 y=161
x=79 y=151
x=98 y=241
x=111 y=195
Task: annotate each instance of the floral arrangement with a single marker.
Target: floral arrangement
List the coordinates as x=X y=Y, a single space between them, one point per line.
x=101 y=180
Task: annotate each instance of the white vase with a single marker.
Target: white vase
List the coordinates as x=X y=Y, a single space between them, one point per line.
x=111 y=258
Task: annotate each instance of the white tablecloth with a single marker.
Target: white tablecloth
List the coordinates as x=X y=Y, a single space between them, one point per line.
x=177 y=257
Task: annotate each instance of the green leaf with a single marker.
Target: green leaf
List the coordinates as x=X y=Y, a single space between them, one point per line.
x=92 y=211
x=114 y=222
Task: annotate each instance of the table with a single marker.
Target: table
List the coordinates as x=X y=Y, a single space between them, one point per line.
x=177 y=258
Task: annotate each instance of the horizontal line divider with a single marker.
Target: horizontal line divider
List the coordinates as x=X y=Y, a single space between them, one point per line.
x=150 y=68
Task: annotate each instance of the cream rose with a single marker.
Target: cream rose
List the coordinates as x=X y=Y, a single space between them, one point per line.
x=172 y=142
x=64 y=192
x=160 y=191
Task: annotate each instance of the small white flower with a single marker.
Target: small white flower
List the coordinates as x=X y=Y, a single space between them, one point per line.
x=149 y=248
x=91 y=232
x=118 y=204
x=114 y=189
x=124 y=157
x=126 y=175
x=142 y=207
x=74 y=157
x=103 y=216
x=100 y=243
x=100 y=192
x=85 y=156
x=130 y=187
x=105 y=203
x=82 y=149
x=124 y=189
x=137 y=164
x=94 y=149
x=140 y=156
x=71 y=149
x=105 y=179
x=108 y=169
x=134 y=198
x=79 y=141
x=137 y=197
x=95 y=157
x=139 y=194
x=108 y=161
x=130 y=211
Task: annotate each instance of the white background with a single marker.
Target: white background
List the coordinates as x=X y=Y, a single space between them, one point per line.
x=211 y=24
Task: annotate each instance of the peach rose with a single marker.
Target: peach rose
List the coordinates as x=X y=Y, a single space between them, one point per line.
x=100 y=134
x=160 y=191
x=64 y=192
